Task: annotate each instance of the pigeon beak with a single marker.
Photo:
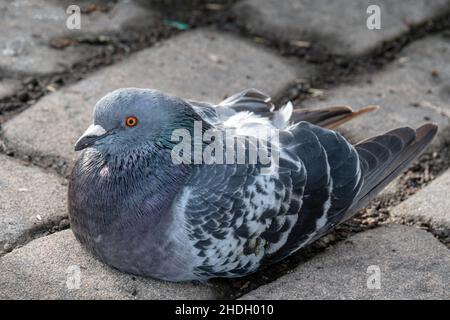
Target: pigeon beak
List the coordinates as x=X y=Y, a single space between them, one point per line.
x=92 y=134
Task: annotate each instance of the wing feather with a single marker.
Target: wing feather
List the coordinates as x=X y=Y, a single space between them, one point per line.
x=236 y=214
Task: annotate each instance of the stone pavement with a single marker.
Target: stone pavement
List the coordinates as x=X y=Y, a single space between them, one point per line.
x=40 y=270
x=34 y=33
x=411 y=263
x=8 y=87
x=30 y=200
x=412 y=90
x=429 y=205
x=37 y=255
x=338 y=26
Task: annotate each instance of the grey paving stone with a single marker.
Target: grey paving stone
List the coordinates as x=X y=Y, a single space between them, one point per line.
x=8 y=87
x=339 y=26
x=30 y=199
x=198 y=65
x=412 y=264
x=46 y=268
x=412 y=90
x=431 y=204
x=28 y=27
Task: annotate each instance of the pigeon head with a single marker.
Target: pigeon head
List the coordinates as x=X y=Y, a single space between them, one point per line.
x=130 y=118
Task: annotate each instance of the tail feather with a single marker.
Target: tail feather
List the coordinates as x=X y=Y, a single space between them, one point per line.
x=386 y=156
x=329 y=117
x=253 y=100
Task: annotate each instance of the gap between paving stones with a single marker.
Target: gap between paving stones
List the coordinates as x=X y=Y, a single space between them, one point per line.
x=44 y=217
x=115 y=50
x=336 y=28
x=116 y=47
x=38 y=231
x=336 y=69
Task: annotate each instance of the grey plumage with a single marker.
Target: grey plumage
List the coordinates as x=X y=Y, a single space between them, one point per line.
x=141 y=213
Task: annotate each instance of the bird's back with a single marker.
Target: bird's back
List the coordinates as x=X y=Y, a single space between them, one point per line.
x=244 y=218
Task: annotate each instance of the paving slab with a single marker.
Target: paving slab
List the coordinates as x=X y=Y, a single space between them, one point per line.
x=8 y=87
x=410 y=91
x=411 y=263
x=58 y=267
x=30 y=200
x=28 y=27
x=202 y=65
x=431 y=204
x=339 y=26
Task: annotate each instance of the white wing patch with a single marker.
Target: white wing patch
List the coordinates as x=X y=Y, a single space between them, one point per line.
x=283 y=116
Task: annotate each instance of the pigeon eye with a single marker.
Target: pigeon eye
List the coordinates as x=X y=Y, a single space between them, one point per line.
x=131 y=121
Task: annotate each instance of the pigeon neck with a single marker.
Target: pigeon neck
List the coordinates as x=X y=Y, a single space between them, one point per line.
x=110 y=188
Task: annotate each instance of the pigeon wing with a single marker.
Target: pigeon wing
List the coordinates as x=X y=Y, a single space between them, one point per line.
x=249 y=101
x=354 y=175
x=239 y=218
x=236 y=214
x=333 y=177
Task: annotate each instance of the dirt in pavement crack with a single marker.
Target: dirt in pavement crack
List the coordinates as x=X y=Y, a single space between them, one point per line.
x=337 y=69
x=194 y=14
x=38 y=231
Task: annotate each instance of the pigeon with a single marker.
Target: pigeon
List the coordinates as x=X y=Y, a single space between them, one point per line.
x=139 y=211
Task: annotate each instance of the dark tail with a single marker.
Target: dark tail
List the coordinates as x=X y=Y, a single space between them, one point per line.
x=329 y=117
x=385 y=156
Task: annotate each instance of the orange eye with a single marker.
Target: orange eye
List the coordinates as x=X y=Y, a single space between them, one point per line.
x=131 y=121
